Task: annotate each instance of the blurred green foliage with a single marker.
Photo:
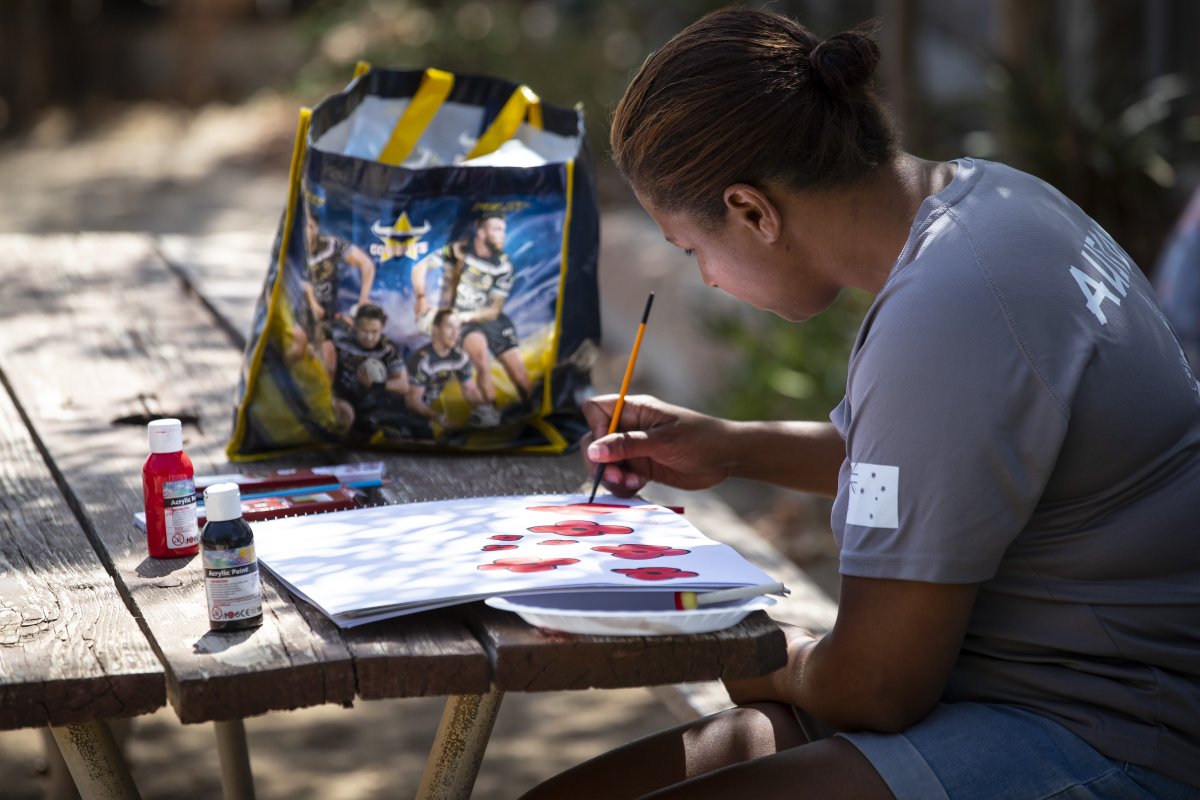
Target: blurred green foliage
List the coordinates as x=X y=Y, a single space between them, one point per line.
x=788 y=370
x=568 y=51
x=1113 y=154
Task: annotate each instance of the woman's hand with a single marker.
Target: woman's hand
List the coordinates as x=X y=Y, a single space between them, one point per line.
x=657 y=442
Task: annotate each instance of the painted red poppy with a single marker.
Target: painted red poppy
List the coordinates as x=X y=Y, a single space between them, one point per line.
x=657 y=573
x=528 y=564
x=581 y=527
x=640 y=551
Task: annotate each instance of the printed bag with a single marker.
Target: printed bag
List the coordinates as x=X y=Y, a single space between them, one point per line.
x=433 y=283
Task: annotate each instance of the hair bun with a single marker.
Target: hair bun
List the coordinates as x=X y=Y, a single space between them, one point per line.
x=844 y=62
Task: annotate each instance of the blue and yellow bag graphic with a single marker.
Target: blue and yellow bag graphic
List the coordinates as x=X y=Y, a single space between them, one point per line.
x=433 y=284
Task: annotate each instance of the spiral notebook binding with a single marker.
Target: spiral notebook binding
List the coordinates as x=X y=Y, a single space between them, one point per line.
x=367 y=480
x=441 y=498
x=367 y=502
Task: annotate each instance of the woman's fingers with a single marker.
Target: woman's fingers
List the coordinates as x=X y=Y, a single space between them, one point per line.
x=639 y=453
x=622 y=482
x=621 y=447
x=618 y=477
x=598 y=413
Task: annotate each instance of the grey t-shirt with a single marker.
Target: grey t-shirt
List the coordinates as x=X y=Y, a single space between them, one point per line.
x=1018 y=414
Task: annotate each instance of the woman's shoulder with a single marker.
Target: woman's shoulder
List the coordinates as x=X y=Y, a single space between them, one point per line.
x=1003 y=234
x=1003 y=205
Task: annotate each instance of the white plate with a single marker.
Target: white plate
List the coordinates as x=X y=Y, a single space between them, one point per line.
x=593 y=613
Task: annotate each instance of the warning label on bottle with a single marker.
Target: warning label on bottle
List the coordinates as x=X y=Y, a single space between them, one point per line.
x=179 y=513
x=232 y=584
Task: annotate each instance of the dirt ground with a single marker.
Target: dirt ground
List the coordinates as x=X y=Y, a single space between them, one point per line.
x=221 y=170
x=375 y=750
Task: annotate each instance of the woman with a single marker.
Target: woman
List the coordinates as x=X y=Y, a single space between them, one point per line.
x=1016 y=464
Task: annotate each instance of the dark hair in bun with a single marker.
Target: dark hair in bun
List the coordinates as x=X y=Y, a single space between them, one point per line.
x=754 y=97
x=844 y=62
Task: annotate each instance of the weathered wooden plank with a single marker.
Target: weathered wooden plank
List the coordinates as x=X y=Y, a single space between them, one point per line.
x=226 y=270
x=92 y=322
x=70 y=651
x=528 y=659
x=427 y=477
x=449 y=662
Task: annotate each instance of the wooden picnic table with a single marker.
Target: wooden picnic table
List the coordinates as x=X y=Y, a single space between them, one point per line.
x=99 y=327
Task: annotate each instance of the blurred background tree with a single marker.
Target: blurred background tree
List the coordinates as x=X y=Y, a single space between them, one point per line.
x=1096 y=96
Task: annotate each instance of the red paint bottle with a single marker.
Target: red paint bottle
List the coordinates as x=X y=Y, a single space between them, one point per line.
x=169 y=491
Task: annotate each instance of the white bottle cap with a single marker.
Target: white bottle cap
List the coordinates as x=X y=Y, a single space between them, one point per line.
x=222 y=501
x=166 y=435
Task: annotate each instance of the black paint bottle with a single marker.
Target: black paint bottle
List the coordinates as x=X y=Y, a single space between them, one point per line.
x=231 y=580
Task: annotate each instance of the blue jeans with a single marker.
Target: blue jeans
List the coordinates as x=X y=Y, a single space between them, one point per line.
x=976 y=751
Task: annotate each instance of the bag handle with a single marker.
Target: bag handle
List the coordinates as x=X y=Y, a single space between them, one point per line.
x=523 y=104
x=434 y=89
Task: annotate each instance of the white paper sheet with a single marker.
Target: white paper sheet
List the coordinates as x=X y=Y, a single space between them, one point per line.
x=371 y=563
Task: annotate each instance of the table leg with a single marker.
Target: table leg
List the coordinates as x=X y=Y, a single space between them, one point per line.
x=457 y=752
x=59 y=784
x=95 y=761
x=236 y=780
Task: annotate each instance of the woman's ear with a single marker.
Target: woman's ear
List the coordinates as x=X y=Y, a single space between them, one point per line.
x=750 y=207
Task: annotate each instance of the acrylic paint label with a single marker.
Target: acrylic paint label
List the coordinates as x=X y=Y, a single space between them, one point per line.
x=179 y=514
x=232 y=584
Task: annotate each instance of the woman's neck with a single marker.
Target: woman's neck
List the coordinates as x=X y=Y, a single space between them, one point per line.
x=878 y=215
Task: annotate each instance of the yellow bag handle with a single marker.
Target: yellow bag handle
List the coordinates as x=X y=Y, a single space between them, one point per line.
x=523 y=104
x=434 y=89
x=432 y=92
